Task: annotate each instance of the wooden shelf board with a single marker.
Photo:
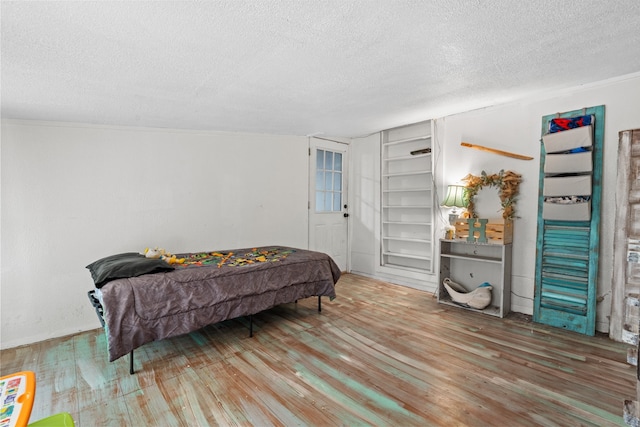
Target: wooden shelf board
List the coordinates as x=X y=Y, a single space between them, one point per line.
x=409 y=256
x=401 y=141
x=472 y=258
x=491 y=310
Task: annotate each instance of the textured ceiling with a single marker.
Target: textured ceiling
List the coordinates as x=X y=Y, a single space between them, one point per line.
x=332 y=67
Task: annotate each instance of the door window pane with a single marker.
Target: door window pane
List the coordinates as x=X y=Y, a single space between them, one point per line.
x=320 y=201
x=328 y=160
x=337 y=181
x=328 y=181
x=320 y=180
x=320 y=160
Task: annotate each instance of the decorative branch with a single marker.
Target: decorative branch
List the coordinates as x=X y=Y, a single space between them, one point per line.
x=495 y=151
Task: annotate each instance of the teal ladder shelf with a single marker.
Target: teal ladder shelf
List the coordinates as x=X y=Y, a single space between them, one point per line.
x=567 y=251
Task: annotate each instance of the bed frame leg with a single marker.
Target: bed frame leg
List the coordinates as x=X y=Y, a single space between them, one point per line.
x=131 y=371
x=250 y=325
x=319 y=304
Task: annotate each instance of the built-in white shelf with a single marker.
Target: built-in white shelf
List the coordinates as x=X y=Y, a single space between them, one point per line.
x=407 y=199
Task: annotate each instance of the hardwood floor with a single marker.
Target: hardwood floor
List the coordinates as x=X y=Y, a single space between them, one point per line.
x=379 y=354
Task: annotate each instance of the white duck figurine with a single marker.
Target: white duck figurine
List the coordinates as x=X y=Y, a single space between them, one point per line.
x=478 y=298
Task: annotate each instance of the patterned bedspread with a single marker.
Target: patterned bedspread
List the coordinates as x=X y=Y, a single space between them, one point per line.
x=236 y=258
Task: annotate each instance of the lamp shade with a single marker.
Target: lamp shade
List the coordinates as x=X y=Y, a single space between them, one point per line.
x=455 y=197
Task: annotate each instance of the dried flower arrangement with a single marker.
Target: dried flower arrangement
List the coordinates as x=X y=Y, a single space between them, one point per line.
x=507 y=183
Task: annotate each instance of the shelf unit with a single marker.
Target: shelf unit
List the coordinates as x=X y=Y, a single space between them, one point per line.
x=407 y=198
x=471 y=264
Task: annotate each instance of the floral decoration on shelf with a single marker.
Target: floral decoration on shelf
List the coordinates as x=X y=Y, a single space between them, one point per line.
x=507 y=183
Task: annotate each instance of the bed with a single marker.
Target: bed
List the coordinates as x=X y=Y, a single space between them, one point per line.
x=139 y=300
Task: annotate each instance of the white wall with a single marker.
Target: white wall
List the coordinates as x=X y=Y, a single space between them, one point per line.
x=74 y=193
x=516 y=127
x=364 y=189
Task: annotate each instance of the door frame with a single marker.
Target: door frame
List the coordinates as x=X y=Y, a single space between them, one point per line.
x=315 y=142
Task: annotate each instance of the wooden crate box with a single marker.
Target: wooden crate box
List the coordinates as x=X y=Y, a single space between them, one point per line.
x=497 y=231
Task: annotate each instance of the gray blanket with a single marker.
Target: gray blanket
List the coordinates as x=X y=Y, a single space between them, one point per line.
x=152 y=307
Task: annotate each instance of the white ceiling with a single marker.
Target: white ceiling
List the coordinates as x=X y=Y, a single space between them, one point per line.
x=331 y=67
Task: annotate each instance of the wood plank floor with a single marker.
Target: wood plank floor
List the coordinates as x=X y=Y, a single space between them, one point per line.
x=379 y=354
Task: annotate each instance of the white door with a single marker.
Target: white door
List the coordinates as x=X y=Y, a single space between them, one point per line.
x=328 y=210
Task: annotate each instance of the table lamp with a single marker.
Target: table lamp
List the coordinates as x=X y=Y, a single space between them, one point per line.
x=454 y=199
